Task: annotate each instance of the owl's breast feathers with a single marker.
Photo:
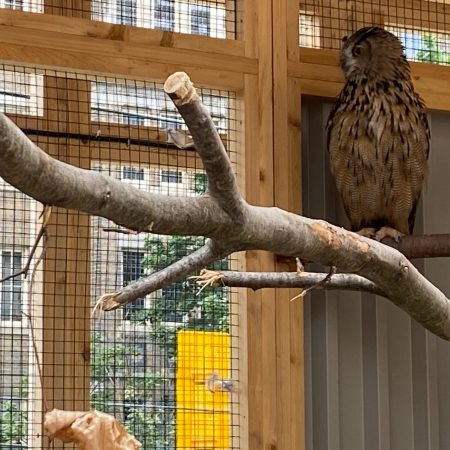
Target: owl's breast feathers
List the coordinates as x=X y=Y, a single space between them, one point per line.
x=378 y=140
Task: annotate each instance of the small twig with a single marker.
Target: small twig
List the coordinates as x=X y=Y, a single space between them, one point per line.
x=317 y=285
x=46 y=212
x=46 y=216
x=157 y=280
x=119 y=230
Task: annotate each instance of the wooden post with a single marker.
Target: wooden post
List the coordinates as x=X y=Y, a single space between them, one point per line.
x=66 y=300
x=273 y=171
x=287 y=188
x=261 y=343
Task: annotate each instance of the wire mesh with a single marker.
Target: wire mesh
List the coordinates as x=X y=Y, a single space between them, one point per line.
x=127 y=362
x=214 y=18
x=423 y=26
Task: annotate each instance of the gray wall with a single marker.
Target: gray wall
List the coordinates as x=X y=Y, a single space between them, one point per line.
x=374 y=378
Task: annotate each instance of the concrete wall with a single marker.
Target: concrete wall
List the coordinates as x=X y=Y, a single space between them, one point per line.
x=375 y=379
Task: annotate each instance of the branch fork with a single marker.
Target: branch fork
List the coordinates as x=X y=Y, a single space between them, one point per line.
x=231 y=224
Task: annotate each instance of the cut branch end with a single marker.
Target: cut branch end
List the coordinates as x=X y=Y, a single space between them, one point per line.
x=180 y=89
x=107 y=302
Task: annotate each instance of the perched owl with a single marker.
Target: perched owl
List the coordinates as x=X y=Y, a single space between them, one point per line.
x=378 y=136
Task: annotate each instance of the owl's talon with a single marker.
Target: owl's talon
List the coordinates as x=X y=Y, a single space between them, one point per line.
x=367 y=232
x=389 y=232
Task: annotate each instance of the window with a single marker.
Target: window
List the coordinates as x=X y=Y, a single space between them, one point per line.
x=100 y=9
x=23 y=5
x=128 y=104
x=424 y=45
x=14 y=4
x=165 y=14
x=11 y=290
x=132 y=173
x=21 y=93
x=200 y=19
x=308 y=30
x=170 y=120
x=132 y=269
x=171 y=176
x=131 y=119
x=126 y=12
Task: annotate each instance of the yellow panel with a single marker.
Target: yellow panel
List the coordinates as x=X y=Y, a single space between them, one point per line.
x=203 y=419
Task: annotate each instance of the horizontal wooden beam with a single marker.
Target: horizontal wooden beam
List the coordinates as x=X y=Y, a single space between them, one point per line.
x=133 y=35
x=320 y=75
x=97 y=47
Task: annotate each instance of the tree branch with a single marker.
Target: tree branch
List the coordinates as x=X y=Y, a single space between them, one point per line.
x=222 y=184
x=205 y=255
x=221 y=215
x=261 y=280
x=52 y=182
x=426 y=246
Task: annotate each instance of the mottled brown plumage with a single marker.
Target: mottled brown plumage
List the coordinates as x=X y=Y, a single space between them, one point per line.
x=378 y=136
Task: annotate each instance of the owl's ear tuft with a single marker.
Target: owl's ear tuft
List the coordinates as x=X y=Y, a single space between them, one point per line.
x=344 y=39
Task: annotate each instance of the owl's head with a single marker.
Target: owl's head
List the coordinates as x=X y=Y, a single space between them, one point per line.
x=373 y=52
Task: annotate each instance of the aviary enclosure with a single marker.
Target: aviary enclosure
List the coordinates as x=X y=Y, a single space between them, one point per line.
x=83 y=80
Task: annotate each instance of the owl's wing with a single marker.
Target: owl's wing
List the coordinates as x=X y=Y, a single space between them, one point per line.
x=352 y=162
x=404 y=146
x=420 y=154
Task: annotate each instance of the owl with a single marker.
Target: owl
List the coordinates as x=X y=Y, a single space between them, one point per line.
x=378 y=136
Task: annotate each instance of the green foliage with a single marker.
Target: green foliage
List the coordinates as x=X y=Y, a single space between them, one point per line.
x=145 y=397
x=154 y=428
x=200 y=182
x=431 y=52
x=177 y=302
x=13 y=423
x=142 y=385
x=118 y=388
x=106 y=359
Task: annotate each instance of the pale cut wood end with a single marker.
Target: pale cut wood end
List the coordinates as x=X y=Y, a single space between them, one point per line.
x=180 y=88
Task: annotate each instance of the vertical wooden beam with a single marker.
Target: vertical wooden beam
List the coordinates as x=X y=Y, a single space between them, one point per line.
x=66 y=299
x=66 y=304
x=261 y=310
x=287 y=189
x=273 y=171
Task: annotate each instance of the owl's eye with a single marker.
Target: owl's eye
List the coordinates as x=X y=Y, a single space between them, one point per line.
x=357 y=51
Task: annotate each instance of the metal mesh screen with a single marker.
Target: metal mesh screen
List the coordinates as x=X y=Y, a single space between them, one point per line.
x=149 y=363
x=214 y=18
x=423 y=26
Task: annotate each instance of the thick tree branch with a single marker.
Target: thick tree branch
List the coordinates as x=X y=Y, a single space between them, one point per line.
x=228 y=220
x=426 y=246
x=52 y=182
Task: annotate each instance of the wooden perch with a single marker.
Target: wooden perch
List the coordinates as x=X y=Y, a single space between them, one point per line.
x=304 y=280
x=224 y=217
